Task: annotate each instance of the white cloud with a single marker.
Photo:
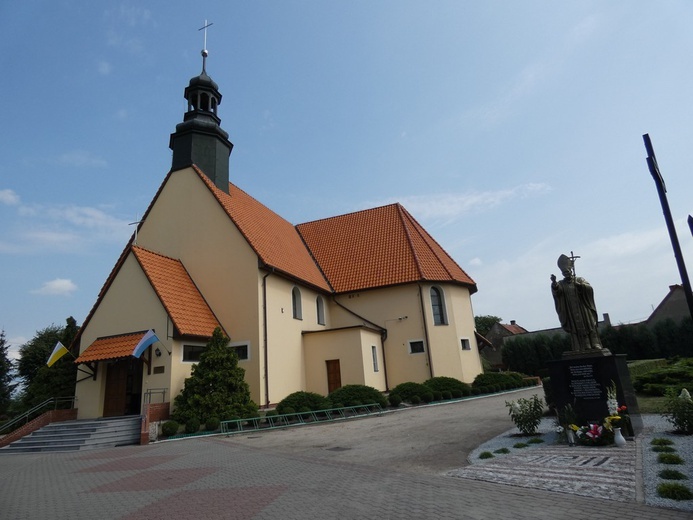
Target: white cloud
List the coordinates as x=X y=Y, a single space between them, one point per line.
x=9 y=197
x=475 y=262
x=81 y=159
x=447 y=208
x=57 y=287
x=104 y=68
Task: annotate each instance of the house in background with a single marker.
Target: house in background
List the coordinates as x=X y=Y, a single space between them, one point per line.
x=672 y=307
x=495 y=336
x=364 y=298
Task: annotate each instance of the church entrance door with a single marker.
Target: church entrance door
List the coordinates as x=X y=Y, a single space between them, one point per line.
x=123 y=388
x=334 y=375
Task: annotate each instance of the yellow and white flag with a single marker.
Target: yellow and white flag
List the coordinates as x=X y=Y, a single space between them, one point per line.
x=58 y=352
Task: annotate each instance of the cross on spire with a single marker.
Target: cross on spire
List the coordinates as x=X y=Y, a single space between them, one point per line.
x=205 y=53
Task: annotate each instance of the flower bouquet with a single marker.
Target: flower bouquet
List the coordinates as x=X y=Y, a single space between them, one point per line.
x=593 y=435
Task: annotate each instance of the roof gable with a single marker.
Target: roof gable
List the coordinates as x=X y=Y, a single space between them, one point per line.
x=275 y=240
x=188 y=310
x=378 y=247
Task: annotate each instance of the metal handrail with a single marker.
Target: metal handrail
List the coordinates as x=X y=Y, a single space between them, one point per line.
x=25 y=416
x=148 y=394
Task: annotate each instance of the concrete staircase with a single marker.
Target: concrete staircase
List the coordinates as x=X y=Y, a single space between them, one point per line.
x=79 y=435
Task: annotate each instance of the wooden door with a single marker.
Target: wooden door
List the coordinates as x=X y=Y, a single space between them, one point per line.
x=115 y=400
x=334 y=375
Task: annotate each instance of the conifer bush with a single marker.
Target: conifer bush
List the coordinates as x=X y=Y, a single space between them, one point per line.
x=170 y=428
x=350 y=394
x=303 y=402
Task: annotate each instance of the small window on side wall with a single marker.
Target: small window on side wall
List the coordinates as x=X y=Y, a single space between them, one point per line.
x=466 y=345
x=296 y=303
x=241 y=351
x=374 y=351
x=416 y=347
x=320 y=307
x=191 y=353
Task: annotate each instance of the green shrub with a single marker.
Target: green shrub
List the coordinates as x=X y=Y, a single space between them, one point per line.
x=212 y=424
x=491 y=379
x=502 y=450
x=192 y=425
x=659 y=441
x=415 y=399
x=170 y=428
x=675 y=376
x=679 y=411
x=520 y=445
x=674 y=491
x=535 y=440
x=486 y=455
x=672 y=474
x=548 y=393
x=446 y=395
x=303 y=401
x=350 y=394
x=663 y=449
x=271 y=413
x=395 y=400
x=408 y=390
x=437 y=396
x=669 y=458
x=442 y=384
x=526 y=414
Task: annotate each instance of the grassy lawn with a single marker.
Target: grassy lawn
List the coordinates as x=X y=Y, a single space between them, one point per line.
x=649 y=404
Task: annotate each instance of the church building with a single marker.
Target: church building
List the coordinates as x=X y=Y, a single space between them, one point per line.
x=364 y=298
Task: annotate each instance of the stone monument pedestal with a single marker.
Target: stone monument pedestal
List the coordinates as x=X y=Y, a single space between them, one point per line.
x=581 y=379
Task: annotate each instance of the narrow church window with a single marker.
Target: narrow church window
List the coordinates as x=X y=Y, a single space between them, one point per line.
x=320 y=305
x=438 y=306
x=296 y=303
x=416 y=347
x=374 y=351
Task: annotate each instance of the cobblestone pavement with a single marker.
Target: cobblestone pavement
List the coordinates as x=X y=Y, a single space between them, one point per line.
x=332 y=471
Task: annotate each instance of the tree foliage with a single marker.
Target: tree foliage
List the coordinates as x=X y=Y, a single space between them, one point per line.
x=40 y=381
x=484 y=323
x=216 y=386
x=7 y=384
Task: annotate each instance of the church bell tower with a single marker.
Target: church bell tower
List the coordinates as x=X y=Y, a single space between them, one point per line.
x=199 y=139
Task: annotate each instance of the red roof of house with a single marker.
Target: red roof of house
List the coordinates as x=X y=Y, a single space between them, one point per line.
x=111 y=347
x=513 y=329
x=378 y=247
x=187 y=308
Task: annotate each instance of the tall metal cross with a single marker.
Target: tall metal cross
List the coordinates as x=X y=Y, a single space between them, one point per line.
x=204 y=28
x=662 y=191
x=572 y=259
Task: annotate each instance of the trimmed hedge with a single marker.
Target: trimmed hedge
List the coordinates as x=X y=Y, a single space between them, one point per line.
x=352 y=395
x=448 y=384
x=303 y=402
x=408 y=391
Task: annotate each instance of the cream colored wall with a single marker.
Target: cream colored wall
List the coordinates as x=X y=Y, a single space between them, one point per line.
x=352 y=347
x=385 y=307
x=188 y=223
x=287 y=362
x=130 y=305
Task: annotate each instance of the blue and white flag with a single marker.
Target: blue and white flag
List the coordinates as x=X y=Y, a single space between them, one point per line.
x=148 y=339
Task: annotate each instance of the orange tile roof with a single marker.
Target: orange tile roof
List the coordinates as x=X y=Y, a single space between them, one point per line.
x=111 y=347
x=377 y=248
x=513 y=328
x=274 y=239
x=189 y=312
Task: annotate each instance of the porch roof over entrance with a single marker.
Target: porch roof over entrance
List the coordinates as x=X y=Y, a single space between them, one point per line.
x=111 y=347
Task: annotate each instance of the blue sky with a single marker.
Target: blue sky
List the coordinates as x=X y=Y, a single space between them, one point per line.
x=511 y=130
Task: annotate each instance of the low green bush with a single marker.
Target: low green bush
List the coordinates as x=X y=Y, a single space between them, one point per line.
x=442 y=384
x=679 y=410
x=520 y=445
x=669 y=458
x=304 y=400
x=415 y=399
x=672 y=474
x=674 y=491
x=395 y=400
x=660 y=441
x=526 y=413
x=513 y=379
x=663 y=449
x=170 y=428
x=192 y=425
x=456 y=394
x=674 y=376
x=212 y=424
x=535 y=440
x=437 y=396
x=350 y=394
x=446 y=395
x=485 y=455
x=408 y=390
x=502 y=450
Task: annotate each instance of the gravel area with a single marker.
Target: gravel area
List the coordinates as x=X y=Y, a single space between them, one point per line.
x=654 y=426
